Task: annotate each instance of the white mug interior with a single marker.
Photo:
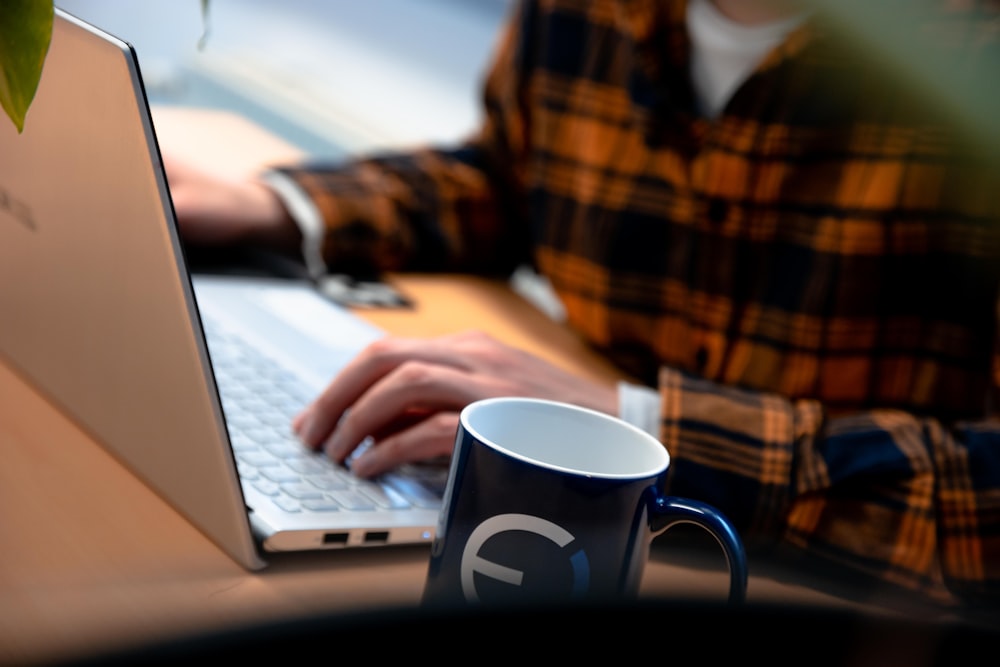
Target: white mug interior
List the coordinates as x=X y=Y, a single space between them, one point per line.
x=565 y=437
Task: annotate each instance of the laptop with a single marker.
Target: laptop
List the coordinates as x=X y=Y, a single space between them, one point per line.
x=101 y=312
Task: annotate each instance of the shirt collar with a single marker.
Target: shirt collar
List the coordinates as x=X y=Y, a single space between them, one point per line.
x=657 y=28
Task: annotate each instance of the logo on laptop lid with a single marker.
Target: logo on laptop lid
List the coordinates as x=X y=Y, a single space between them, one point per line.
x=16 y=209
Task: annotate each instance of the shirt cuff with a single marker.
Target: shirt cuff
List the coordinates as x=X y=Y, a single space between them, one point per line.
x=305 y=214
x=639 y=406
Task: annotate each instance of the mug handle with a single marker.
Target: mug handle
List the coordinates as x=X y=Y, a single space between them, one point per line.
x=671 y=510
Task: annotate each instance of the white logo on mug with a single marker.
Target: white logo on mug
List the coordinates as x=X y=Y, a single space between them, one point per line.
x=473 y=563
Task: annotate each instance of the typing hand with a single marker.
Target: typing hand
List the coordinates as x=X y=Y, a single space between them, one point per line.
x=407 y=393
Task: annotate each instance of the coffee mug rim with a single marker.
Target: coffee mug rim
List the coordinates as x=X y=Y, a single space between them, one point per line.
x=643 y=435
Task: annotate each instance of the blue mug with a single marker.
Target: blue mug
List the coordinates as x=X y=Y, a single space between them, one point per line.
x=550 y=502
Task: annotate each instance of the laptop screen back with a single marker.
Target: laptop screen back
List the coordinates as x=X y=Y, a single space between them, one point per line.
x=96 y=304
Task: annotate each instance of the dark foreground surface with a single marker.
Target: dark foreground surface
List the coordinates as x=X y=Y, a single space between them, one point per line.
x=679 y=632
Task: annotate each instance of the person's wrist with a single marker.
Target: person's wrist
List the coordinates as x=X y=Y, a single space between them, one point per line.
x=639 y=406
x=273 y=225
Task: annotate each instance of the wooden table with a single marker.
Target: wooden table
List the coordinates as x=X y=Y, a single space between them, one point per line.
x=92 y=560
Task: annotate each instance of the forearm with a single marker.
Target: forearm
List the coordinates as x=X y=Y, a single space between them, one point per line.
x=438 y=208
x=432 y=210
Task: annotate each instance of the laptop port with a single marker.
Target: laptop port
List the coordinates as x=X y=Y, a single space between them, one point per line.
x=377 y=537
x=335 y=538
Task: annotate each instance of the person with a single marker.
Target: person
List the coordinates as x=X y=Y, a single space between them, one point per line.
x=787 y=243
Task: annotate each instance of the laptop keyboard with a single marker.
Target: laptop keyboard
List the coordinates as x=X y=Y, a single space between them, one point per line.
x=259 y=399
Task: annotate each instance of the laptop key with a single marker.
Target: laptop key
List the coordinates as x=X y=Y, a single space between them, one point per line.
x=323 y=504
x=327 y=482
x=301 y=491
x=256 y=459
x=246 y=472
x=267 y=488
x=280 y=474
x=307 y=465
x=287 y=504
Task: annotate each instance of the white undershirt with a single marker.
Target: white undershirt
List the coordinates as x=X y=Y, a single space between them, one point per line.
x=723 y=54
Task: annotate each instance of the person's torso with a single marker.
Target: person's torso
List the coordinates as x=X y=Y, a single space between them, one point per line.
x=819 y=239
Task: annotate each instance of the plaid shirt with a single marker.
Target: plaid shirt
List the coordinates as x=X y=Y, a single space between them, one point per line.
x=810 y=278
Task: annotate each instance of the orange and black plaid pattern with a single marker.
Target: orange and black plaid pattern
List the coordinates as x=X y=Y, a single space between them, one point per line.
x=810 y=278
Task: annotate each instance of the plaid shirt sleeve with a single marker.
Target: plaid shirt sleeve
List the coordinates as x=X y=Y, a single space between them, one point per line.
x=907 y=500
x=458 y=208
x=810 y=279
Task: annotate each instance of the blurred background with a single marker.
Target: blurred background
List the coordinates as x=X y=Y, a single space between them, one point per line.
x=332 y=77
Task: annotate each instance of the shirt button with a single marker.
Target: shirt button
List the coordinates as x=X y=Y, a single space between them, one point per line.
x=701 y=359
x=718 y=211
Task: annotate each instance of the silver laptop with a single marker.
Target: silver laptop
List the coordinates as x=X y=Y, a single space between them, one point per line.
x=99 y=310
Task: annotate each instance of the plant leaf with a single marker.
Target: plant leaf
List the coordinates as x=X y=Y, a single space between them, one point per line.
x=25 y=34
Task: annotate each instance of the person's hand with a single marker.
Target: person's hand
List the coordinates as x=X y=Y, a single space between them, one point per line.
x=407 y=393
x=214 y=210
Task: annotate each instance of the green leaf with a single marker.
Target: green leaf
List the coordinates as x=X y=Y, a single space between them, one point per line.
x=25 y=34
